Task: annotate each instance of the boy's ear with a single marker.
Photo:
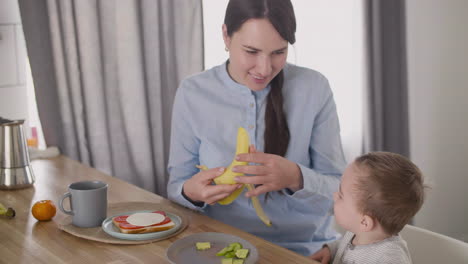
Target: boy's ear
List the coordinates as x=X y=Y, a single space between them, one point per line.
x=367 y=223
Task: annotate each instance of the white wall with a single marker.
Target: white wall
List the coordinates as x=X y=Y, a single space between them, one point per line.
x=437 y=38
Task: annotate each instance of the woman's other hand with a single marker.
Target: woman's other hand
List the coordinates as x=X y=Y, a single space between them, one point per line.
x=323 y=255
x=272 y=173
x=199 y=188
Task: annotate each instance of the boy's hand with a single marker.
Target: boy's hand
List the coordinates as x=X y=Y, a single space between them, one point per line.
x=322 y=255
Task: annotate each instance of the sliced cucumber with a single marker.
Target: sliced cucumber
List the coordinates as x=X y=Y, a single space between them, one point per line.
x=242 y=253
x=203 y=245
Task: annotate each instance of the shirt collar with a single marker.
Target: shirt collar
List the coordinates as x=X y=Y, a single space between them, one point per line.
x=231 y=84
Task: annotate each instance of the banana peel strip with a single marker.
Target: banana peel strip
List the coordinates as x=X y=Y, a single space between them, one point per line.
x=255 y=202
x=258 y=207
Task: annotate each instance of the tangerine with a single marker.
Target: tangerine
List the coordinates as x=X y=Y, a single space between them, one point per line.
x=43 y=210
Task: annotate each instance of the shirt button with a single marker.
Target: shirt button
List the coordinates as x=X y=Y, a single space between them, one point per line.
x=251 y=126
x=251 y=105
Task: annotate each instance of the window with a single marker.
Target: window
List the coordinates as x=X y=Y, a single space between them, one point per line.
x=35 y=127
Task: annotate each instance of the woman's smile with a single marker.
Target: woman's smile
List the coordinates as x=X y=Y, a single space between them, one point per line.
x=259 y=79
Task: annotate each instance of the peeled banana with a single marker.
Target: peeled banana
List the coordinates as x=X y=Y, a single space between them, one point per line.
x=242 y=146
x=7 y=212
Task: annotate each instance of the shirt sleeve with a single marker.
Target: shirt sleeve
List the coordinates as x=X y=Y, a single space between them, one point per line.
x=326 y=152
x=183 y=152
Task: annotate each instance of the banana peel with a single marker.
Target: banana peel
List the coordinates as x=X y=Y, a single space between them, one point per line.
x=242 y=146
x=232 y=196
x=258 y=207
x=7 y=212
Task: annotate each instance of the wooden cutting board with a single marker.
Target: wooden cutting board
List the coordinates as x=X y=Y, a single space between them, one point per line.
x=97 y=234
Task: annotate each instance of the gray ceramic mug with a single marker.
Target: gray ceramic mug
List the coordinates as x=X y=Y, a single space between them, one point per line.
x=88 y=203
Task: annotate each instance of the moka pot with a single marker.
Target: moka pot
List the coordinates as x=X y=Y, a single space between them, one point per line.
x=15 y=168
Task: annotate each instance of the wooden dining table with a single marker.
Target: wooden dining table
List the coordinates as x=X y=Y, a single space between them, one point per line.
x=23 y=239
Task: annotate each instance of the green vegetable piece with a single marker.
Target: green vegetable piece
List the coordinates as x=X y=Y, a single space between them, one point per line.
x=226 y=261
x=230 y=254
x=242 y=253
x=203 y=245
x=236 y=246
x=238 y=261
x=227 y=249
x=7 y=212
x=10 y=213
x=223 y=251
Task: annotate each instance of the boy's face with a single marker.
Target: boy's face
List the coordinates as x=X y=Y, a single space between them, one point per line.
x=346 y=210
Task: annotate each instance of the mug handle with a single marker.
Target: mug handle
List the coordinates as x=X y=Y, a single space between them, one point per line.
x=67 y=195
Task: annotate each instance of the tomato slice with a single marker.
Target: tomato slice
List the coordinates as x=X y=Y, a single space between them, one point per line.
x=126 y=225
x=165 y=221
x=121 y=219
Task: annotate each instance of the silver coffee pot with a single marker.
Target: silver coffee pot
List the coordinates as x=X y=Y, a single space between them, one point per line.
x=15 y=169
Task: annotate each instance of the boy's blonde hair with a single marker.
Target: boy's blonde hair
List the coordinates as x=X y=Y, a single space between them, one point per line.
x=389 y=188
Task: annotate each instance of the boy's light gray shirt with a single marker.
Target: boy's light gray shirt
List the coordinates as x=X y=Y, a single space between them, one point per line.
x=391 y=250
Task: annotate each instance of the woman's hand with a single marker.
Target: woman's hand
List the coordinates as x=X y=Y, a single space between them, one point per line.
x=199 y=188
x=323 y=255
x=272 y=173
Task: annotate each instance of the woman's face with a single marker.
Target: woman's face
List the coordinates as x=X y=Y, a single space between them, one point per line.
x=257 y=53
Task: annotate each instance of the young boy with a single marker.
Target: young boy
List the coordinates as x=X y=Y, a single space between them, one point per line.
x=379 y=194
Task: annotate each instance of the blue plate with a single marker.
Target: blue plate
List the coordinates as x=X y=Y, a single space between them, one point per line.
x=109 y=228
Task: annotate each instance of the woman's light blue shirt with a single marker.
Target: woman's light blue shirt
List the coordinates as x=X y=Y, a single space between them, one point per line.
x=209 y=108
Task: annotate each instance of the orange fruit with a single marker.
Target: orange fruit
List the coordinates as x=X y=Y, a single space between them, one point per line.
x=43 y=210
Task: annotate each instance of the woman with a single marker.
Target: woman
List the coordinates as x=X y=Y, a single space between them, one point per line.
x=291 y=118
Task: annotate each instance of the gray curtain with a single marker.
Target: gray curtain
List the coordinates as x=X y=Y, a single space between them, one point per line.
x=105 y=74
x=386 y=111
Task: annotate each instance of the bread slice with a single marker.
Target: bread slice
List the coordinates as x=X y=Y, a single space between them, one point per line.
x=126 y=228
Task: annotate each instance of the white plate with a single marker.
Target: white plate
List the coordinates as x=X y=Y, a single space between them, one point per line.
x=110 y=229
x=184 y=251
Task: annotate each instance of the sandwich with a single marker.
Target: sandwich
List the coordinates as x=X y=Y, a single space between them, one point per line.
x=139 y=223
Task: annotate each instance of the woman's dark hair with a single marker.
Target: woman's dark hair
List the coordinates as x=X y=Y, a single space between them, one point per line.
x=280 y=13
